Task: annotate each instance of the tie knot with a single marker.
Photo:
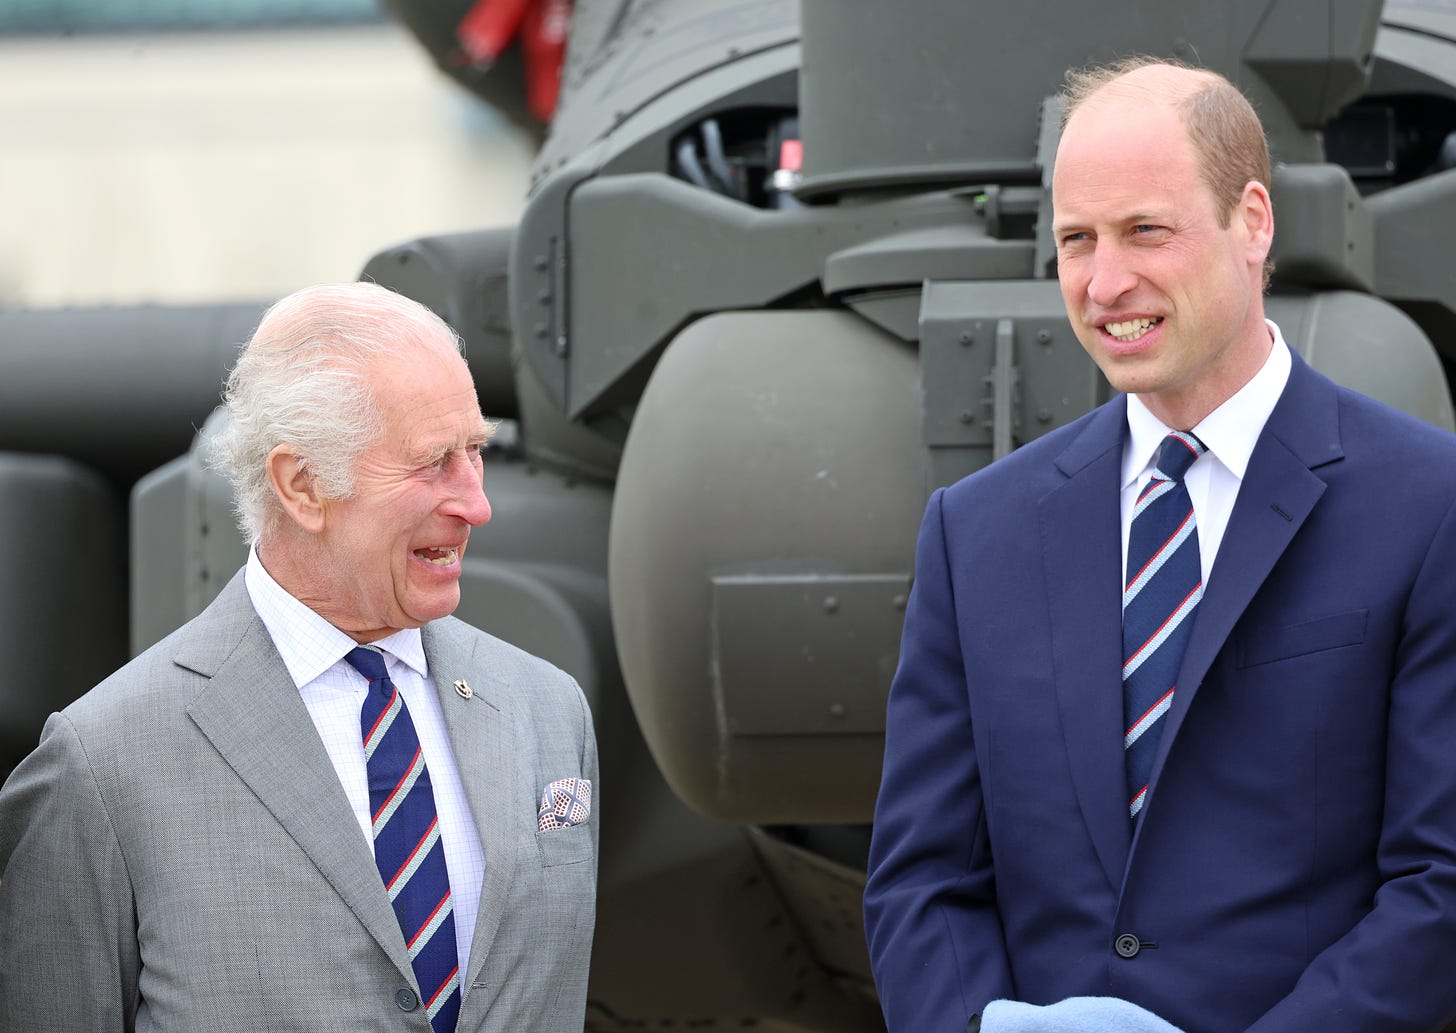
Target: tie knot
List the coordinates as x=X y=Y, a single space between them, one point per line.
x=368 y=662
x=1177 y=453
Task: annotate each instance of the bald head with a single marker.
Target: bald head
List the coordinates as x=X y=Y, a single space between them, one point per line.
x=1221 y=124
x=1143 y=78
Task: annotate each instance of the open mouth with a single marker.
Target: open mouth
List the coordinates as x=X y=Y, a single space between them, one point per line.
x=440 y=557
x=1130 y=330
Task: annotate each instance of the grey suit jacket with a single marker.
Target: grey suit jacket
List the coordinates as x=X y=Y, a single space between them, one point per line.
x=178 y=854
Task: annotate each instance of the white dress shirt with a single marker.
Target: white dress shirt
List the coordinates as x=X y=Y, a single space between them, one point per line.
x=1213 y=481
x=313 y=651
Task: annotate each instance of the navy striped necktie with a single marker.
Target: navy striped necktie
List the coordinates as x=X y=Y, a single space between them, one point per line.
x=407 y=847
x=1159 y=601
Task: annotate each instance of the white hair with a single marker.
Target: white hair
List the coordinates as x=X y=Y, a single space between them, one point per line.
x=303 y=380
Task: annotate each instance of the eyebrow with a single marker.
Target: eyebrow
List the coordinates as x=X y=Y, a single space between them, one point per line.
x=481 y=435
x=1138 y=218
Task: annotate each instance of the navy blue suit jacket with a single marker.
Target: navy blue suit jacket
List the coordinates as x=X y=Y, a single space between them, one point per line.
x=1294 y=868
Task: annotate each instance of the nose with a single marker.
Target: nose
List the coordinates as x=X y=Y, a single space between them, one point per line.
x=467 y=492
x=1112 y=277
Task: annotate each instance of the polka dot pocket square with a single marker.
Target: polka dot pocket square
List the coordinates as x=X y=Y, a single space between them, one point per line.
x=566 y=802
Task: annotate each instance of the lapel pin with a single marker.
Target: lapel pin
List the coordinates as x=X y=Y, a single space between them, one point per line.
x=464 y=690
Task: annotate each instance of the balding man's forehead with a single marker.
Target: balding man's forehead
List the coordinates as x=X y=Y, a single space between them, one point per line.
x=1164 y=84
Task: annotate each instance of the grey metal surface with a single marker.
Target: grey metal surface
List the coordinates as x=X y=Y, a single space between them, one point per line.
x=966 y=107
x=462 y=278
x=971 y=335
x=1434 y=19
x=1412 y=222
x=161 y=552
x=1325 y=236
x=770 y=449
x=553 y=252
x=1410 y=59
x=831 y=677
x=630 y=56
x=121 y=389
x=728 y=399
x=1369 y=345
x=741 y=257
x=62 y=578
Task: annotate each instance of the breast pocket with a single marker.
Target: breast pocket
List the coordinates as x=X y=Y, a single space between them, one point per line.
x=565 y=846
x=1266 y=645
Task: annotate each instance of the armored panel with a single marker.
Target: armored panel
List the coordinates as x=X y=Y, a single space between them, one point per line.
x=162 y=552
x=70 y=378
x=1413 y=53
x=767 y=507
x=185 y=542
x=1413 y=224
x=847 y=645
x=1367 y=344
x=62 y=591
x=461 y=277
x=740 y=257
x=1315 y=54
x=634 y=55
x=999 y=366
x=1324 y=235
x=967 y=107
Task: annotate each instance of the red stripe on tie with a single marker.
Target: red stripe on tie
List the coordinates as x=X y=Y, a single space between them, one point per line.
x=410 y=859
x=380 y=719
x=445 y=900
x=1150 y=709
x=1176 y=610
x=402 y=780
x=1161 y=549
x=1184 y=442
x=1148 y=488
x=431 y=1002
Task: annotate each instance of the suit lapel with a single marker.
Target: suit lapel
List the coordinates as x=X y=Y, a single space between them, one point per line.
x=1077 y=521
x=253 y=715
x=1278 y=493
x=482 y=732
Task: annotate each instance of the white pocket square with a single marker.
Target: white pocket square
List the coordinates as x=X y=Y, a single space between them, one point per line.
x=564 y=803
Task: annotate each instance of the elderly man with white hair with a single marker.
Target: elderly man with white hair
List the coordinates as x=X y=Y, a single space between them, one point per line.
x=324 y=803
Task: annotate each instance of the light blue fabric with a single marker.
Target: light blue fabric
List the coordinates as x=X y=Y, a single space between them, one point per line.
x=1074 y=1015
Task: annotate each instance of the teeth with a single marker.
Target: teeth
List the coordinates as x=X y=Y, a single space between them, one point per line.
x=442 y=557
x=1131 y=329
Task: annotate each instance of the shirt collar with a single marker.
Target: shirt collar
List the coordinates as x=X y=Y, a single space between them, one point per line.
x=308 y=644
x=1231 y=431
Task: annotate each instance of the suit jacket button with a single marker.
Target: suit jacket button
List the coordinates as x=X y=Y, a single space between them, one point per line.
x=406 y=999
x=1127 y=945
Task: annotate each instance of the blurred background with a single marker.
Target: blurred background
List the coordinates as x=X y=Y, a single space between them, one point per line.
x=198 y=151
x=784 y=271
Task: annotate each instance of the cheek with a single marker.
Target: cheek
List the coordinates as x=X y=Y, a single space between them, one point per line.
x=1073 y=284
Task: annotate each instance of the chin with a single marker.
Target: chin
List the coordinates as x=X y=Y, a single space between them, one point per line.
x=1132 y=374
x=434 y=608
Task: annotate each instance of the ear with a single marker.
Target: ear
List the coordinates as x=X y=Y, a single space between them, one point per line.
x=295 y=490
x=1256 y=213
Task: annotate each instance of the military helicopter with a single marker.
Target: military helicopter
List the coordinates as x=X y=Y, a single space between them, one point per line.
x=785 y=268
